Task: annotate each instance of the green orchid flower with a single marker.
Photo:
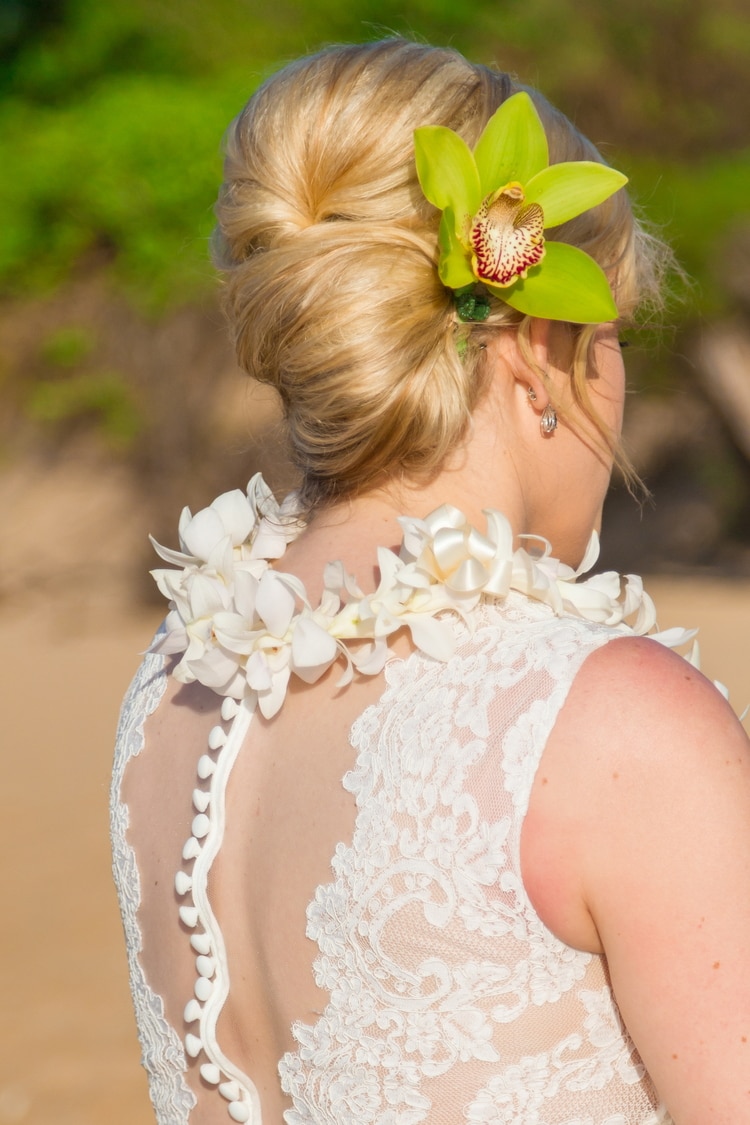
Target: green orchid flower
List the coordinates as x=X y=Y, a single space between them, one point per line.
x=498 y=200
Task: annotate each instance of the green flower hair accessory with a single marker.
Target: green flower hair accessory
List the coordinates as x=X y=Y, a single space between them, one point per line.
x=498 y=200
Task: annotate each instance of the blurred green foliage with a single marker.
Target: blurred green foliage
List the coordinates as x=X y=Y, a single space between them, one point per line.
x=111 y=115
x=128 y=173
x=68 y=346
x=102 y=397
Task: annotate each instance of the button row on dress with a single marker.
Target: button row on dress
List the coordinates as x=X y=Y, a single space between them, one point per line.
x=205 y=964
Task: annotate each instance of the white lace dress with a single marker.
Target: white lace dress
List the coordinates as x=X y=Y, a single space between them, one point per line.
x=449 y=1001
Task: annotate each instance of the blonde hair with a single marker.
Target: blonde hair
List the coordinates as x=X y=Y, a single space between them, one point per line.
x=330 y=249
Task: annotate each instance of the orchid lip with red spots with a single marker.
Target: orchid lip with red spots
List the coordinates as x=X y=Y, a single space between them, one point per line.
x=507 y=236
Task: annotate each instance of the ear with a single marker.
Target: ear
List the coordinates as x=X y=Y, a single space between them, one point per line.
x=531 y=376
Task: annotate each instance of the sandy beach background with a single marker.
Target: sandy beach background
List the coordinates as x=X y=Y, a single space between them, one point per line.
x=69 y=643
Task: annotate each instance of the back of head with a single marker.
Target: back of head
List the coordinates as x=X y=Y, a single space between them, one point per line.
x=330 y=255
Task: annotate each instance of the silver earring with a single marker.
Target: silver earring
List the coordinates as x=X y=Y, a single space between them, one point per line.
x=548 y=420
x=532 y=394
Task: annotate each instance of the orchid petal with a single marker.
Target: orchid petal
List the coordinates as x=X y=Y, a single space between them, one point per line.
x=607 y=583
x=432 y=636
x=168 y=582
x=590 y=555
x=336 y=579
x=258 y=673
x=370 y=661
x=235 y=514
x=171 y=642
x=446 y=170
x=271 y=538
x=233 y=634
x=513 y=145
x=389 y=566
x=176 y=558
x=637 y=601
x=674 y=637
x=566 y=190
x=183 y=673
x=569 y=286
x=593 y=604
x=269 y=702
x=274 y=604
x=347 y=675
x=215 y=670
x=313 y=650
x=454 y=268
x=185 y=517
x=201 y=534
x=221 y=557
x=245 y=593
x=260 y=497
x=207 y=595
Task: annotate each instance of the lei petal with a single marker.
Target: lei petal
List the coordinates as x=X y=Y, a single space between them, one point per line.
x=201 y=533
x=235 y=514
x=313 y=650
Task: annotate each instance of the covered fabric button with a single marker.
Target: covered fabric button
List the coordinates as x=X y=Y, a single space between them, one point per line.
x=238 y=1111
x=201 y=943
x=229 y=708
x=216 y=738
x=203 y=988
x=192 y=1011
x=210 y=1073
x=205 y=966
x=182 y=883
x=201 y=825
x=192 y=848
x=193 y=1045
x=206 y=766
x=189 y=916
x=201 y=799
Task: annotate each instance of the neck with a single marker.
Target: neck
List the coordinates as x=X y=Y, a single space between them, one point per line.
x=482 y=474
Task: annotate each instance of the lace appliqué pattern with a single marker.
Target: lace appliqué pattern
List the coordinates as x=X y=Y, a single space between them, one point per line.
x=163 y=1055
x=449 y=999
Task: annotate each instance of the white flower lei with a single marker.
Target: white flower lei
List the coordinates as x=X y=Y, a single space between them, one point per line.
x=244 y=628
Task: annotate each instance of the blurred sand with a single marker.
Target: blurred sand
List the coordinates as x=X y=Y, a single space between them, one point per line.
x=70 y=1054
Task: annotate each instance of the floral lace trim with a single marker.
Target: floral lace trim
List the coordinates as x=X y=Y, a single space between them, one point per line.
x=162 y=1053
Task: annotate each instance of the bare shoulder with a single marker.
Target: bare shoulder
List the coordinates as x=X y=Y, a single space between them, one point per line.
x=637 y=846
x=651 y=691
x=644 y=750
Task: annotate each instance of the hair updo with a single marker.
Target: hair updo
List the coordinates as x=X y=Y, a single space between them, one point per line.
x=329 y=250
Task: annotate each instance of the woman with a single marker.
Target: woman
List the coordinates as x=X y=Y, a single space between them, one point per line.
x=420 y=830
